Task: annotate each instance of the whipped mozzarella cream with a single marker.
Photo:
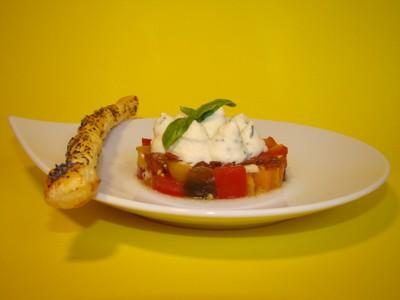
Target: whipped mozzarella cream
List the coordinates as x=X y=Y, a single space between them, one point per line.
x=227 y=145
x=158 y=129
x=192 y=147
x=214 y=122
x=217 y=138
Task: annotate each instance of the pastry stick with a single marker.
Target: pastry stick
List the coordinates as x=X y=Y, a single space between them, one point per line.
x=74 y=182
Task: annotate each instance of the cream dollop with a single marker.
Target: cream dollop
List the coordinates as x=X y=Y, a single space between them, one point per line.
x=213 y=122
x=227 y=146
x=192 y=147
x=158 y=129
x=252 y=142
x=217 y=138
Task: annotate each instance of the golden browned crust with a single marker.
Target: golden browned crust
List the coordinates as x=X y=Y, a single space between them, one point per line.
x=74 y=182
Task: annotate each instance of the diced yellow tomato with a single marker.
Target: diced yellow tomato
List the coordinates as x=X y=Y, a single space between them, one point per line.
x=251 y=186
x=268 y=179
x=178 y=170
x=277 y=177
x=263 y=180
x=142 y=151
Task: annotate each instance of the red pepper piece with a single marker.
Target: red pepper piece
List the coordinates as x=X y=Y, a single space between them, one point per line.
x=278 y=149
x=270 y=142
x=167 y=185
x=146 y=142
x=230 y=181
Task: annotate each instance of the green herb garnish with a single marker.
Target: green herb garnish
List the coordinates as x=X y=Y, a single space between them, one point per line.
x=178 y=127
x=188 y=111
x=175 y=130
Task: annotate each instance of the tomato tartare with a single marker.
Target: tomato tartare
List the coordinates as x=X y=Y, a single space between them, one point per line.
x=202 y=154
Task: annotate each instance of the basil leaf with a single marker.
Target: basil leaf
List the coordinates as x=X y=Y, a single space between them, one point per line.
x=190 y=112
x=206 y=110
x=175 y=130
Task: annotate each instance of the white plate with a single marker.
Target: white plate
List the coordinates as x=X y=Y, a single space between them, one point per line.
x=325 y=169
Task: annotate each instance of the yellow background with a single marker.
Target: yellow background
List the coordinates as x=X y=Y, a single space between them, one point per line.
x=330 y=64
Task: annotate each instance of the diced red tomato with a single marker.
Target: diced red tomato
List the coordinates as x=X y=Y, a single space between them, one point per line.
x=230 y=181
x=146 y=142
x=167 y=185
x=140 y=173
x=270 y=142
x=278 y=149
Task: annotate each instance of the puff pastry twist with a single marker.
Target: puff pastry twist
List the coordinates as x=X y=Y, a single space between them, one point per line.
x=74 y=182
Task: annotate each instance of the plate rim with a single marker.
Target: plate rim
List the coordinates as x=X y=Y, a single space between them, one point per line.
x=139 y=206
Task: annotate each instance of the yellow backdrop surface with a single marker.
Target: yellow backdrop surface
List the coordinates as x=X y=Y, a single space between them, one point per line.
x=329 y=64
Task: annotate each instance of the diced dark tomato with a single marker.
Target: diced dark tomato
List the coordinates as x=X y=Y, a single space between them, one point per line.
x=211 y=164
x=230 y=181
x=156 y=163
x=200 y=182
x=278 y=149
x=167 y=185
x=263 y=158
x=146 y=142
x=171 y=156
